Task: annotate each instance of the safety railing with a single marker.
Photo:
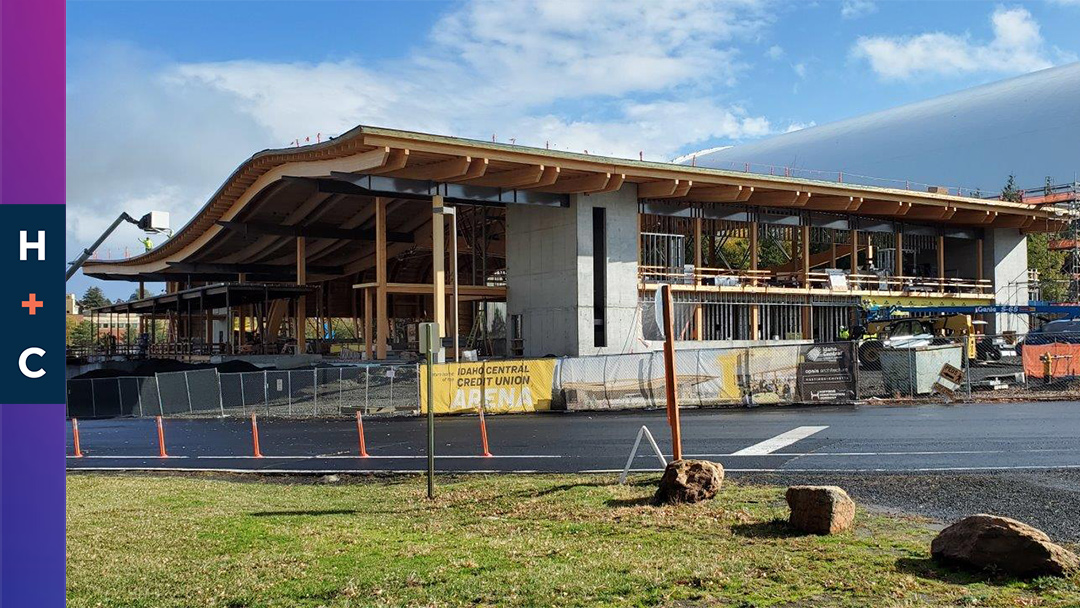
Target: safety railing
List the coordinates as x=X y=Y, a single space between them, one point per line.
x=724 y=278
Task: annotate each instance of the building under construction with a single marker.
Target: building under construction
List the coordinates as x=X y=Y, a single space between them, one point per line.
x=345 y=246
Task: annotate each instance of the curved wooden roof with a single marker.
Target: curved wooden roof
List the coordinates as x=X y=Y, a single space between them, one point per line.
x=262 y=190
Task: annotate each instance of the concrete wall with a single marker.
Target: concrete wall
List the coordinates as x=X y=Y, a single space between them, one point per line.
x=1005 y=263
x=622 y=318
x=549 y=275
x=541 y=277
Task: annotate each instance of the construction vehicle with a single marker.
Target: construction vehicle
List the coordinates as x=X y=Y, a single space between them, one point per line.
x=913 y=332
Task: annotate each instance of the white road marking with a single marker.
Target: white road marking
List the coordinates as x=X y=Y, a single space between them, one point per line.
x=782 y=440
x=773 y=455
x=356 y=457
x=1032 y=467
x=588 y=471
x=914 y=453
x=87 y=457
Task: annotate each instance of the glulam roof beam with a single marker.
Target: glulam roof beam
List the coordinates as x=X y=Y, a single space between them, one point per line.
x=317 y=232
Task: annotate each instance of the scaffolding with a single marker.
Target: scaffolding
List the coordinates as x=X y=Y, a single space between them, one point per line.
x=1065 y=196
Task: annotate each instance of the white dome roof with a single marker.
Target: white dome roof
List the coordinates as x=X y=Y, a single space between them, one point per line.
x=1027 y=126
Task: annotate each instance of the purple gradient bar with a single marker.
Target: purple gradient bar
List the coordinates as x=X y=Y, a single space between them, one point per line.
x=32 y=171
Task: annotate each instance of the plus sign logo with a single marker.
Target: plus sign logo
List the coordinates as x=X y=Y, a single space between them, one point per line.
x=33 y=304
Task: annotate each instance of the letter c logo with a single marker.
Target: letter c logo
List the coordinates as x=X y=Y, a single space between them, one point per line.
x=33 y=350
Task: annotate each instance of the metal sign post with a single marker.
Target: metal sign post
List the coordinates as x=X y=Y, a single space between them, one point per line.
x=430 y=343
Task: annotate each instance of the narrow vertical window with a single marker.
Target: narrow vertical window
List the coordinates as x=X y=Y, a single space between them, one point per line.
x=599 y=235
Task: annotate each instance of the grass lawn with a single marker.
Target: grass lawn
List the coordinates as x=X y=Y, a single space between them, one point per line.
x=538 y=540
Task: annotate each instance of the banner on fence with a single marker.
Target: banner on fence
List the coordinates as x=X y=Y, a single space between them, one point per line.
x=520 y=385
x=826 y=373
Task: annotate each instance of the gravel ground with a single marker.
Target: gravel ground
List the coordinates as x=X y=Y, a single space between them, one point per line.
x=1048 y=500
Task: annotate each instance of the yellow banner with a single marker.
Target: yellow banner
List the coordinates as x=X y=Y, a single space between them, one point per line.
x=520 y=385
x=923 y=301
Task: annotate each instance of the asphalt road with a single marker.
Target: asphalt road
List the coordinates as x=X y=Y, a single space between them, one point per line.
x=1020 y=460
x=988 y=438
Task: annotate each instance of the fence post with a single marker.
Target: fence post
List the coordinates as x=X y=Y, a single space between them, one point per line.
x=243 y=400
x=967 y=367
x=119 y=397
x=339 y=381
x=220 y=398
x=266 y=392
x=855 y=363
x=138 y=395
x=160 y=404
x=93 y=399
x=911 y=373
x=393 y=372
x=315 y=390
x=367 y=385
x=290 y=391
x=187 y=387
x=748 y=383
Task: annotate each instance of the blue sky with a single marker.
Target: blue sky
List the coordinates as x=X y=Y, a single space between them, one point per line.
x=165 y=99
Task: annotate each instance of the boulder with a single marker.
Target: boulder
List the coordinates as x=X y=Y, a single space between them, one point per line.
x=820 y=509
x=689 y=481
x=988 y=541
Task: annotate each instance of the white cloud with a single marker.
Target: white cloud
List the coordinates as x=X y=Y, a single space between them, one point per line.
x=854 y=9
x=610 y=78
x=799 y=126
x=775 y=52
x=689 y=157
x=800 y=70
x=1017 y=47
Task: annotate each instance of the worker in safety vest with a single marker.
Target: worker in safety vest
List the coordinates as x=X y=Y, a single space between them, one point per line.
x=146 y=242
x=845 y=334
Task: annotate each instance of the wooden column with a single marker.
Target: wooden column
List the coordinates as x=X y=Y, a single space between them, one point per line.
x=807 y=323
x=755 y=310
x=367 y=323
x=382 y=319
x=854 y=259
x=753 y=253
x=899 y=255
x=941 y=262
x=243 y=323
x=804 y=253
x=353 y=311
x=699 y=330
x=854 y=252
x=438 y=259
x=832 y=253
x=301 y=301
x=979 y=259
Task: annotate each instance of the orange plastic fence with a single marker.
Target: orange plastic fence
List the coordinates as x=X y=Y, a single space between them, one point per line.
x=1064 y=360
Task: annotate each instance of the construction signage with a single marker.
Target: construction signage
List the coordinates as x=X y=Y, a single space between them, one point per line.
x=521 y=385
x=825 y=373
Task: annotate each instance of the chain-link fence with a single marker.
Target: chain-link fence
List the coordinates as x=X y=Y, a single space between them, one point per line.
x=1040 y=365
x=326 y=391
x=915 y=367
x=745 y=375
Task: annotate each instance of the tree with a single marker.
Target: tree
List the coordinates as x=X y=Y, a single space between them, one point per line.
x=1010 y=192
x=93 y=297
x=1053 y=285
x=79 y=333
